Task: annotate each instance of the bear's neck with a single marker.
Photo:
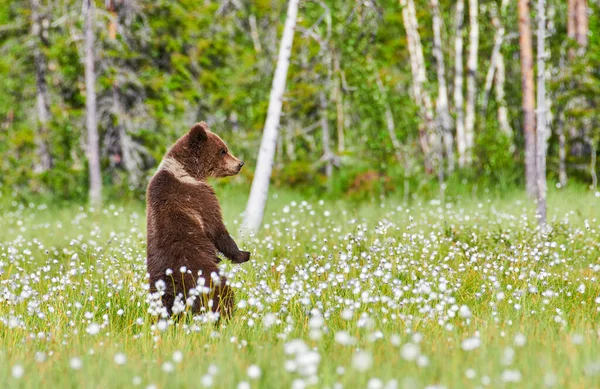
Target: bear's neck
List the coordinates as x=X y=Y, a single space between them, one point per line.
x=178 y=169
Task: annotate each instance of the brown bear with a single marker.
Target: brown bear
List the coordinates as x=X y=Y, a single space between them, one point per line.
x=185 y=225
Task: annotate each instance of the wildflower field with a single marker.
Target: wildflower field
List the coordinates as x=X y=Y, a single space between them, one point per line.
x=465 y=293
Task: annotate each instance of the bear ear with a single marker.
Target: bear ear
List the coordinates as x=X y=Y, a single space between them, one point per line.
x=198 y=133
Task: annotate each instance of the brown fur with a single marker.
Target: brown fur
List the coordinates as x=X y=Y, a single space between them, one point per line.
x=185 y=224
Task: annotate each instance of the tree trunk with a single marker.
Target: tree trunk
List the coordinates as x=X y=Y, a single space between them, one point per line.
x=339 y=103
x=427 y=130
x=528 y=103
x=93 y=153
x=112 y=22
x=461 y=142
x=124 y=150
x=389 y=118
x=593 y=174
x=541 y=113
x=444 y=118
x=44 y=158
x=494 y=59
x=572 y=6
x=260 y=184
x=472 y=78
x=562 y=151
x=327 y=154
x=501 y=100
x=254 y=34
x=582 y=25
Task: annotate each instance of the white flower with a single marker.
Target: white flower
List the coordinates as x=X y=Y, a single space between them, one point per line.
x=410 y=351
x=243 y=385
x=464 y=312
x=508 y=356
x=344 y=338
x=120 y=359
x=470 y=344
x=40 y=356
x=422 y=361
x=550 y=379
x=298 y=384
x=177 y=356
x=75 y=363
x=577 y=338
x=207 y=380
x=374 y=383
x=162 y=325
x=254 y=372
x=511 y=376
x=362 y=361
x=93 y=329
x=213 y=369
x=520 y=340
x=347 y=314
x=17 y=371
x=269 y=320
x=168 y=367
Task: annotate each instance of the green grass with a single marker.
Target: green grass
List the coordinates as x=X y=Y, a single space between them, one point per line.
x=387 y=280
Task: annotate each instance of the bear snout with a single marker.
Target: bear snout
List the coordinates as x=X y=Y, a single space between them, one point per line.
x=240 y=165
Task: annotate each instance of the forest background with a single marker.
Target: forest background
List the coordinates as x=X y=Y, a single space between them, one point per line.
x=383 y=98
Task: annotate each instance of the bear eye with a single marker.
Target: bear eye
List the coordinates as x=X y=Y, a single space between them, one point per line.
x=223 y=152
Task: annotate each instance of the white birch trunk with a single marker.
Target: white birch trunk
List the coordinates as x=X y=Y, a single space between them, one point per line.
x=471 y=77
x=260 y=184
x=389 y=118
x=339 y=103
x=499 y=83
x=44 y=158
x=501 y=99
x=461 y=142
x=93 y=152
x=444 y=118
x=494 y=59
x=428 y=136
x=541 y=113
x=327 y=153
x=254 y=34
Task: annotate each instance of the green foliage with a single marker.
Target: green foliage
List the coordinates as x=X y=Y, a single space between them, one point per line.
x=175 y=62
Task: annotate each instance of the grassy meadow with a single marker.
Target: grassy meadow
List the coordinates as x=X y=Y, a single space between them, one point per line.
x=465 y=293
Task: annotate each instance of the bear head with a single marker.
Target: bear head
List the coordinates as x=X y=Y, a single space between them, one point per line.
x=204 y=154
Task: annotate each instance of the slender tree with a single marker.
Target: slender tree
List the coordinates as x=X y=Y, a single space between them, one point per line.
x=93 y=153
x=472 y=77
x=443 y=111
x=461 y=142
x=260 y=184
x=112 y=23
x=389 y=117
x=499 y=80
x=339 y=102
x=582 y=24
x=495 y=57
x=528 y=102
x=328 y=156
x=38 y=31
x=541 y=112
x=428 y=129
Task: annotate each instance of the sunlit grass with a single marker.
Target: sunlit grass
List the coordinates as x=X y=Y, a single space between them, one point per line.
x=465 y=293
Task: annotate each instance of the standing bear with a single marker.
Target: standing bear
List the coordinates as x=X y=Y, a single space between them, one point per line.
x=185 y=225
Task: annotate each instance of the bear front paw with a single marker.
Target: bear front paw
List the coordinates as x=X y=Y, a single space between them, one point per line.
x=243 y=257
